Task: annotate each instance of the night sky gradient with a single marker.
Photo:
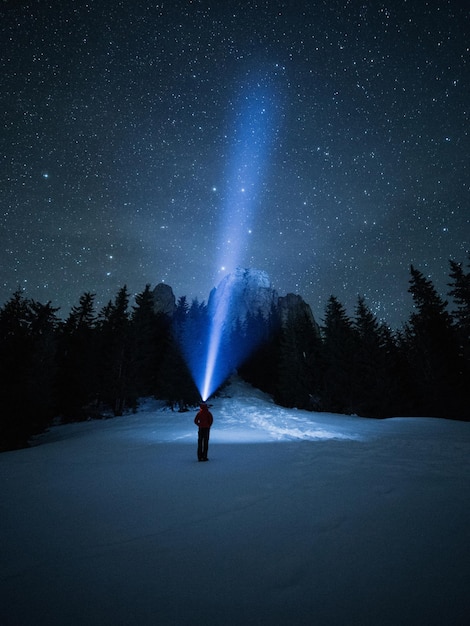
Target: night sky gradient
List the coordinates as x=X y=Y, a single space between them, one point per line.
x=327 y=140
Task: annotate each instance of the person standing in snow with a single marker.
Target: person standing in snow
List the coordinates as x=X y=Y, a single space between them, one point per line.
x=204 y=421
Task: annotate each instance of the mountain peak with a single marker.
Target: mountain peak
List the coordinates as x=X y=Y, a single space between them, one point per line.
x=248 y=291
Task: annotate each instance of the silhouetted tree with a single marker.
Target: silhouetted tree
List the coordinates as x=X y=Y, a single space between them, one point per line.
x=43 y=377
x=27 y=369
x=182 y=353
x=148 y=336
x=115 y=361
x=460 y=292
x=300 y=363
x=374 y=366
x=191 y=327
x=79 y=361
x=340 y=343
x=433 y=352
x=176 y=385
x=261 y=366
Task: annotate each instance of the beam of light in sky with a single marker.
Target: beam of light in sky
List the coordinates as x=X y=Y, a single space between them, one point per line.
x=251 y=142
x=251 y=139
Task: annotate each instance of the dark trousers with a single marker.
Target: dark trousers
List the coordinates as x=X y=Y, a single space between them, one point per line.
x=202 y=443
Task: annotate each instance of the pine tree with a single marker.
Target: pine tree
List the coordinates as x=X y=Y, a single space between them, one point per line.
x=340 y=342
x=16 y=349
x=261 y=366
x=78 y=361
x=193 y=341
x=176 y=385
x=114 y=327
x=83 y=316
x=147 y=340
x=181 y=353
x=460 y=292
x=374 y=369
x=187 y=351
x=289 y=389
x=300 y=363
x=27 y=368
x=433 y=351
x=43 y=375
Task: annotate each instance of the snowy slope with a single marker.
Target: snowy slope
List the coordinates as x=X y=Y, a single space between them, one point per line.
x=298 y=518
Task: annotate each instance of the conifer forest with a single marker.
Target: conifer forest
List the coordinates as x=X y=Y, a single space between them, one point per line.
x=98 y=364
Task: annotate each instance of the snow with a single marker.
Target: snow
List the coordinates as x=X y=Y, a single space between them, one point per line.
x=298 y=518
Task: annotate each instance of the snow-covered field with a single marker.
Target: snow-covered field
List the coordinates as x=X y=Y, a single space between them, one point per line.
x=298 y=518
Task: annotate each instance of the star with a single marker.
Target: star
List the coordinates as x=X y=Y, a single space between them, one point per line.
x=328 y=145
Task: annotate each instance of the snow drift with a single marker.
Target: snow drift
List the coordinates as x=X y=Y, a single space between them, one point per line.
x=298 y=518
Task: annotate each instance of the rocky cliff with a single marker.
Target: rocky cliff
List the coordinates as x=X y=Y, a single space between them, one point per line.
x=164 y=300
x=246 y=291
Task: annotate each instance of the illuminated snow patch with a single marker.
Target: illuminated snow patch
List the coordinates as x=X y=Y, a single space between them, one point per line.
x=306 y=431
x=251 y=416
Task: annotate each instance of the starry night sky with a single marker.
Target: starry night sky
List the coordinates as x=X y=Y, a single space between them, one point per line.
x=324 y=142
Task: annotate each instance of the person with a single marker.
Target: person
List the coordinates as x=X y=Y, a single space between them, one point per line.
x=204 y=421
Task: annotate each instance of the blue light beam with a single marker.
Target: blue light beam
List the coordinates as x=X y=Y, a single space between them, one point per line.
x=252 y=137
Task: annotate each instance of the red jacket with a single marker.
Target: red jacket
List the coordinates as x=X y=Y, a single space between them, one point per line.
x=204 y=418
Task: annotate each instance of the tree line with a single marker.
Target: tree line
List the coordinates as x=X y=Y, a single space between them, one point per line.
x=360 y=366
x=97 y=364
